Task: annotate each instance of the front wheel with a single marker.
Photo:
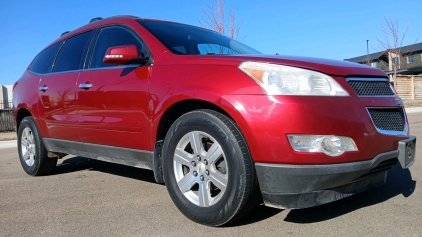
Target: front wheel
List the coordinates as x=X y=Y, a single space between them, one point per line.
x=32 y=153
x=208 y=169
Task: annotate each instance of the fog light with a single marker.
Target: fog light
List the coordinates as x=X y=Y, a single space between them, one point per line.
x=329 y=145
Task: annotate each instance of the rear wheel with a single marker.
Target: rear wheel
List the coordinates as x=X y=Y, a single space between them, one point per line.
x=208 y=170
x=32 y=153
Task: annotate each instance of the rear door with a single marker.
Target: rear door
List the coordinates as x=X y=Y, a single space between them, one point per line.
x=113 y=100
x=57 y=89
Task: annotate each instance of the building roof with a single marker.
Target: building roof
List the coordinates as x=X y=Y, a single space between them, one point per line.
x=364 y=58
x=377 y=55
x=412 y=48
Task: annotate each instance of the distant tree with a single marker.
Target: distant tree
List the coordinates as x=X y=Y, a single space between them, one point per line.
x=215 y=19
x=392 y=43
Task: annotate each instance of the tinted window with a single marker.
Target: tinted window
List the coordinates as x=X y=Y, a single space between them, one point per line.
x=114 y=36
x=180 y=49
x=215 y=49
x=71 y=54
x=194 y=40
x=43 y=61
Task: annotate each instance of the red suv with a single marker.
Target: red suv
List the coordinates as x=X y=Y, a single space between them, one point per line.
x=222 y=125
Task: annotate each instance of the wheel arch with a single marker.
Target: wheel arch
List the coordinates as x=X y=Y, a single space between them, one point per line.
x=178 y=109
x=20 y=115
x=173 y=112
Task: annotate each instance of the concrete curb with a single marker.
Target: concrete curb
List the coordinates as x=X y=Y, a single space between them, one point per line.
x=413 y=110
x=8 y=144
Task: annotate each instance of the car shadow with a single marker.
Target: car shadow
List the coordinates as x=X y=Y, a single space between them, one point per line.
x=78 y=163
x=399 y=182
x=127 y=70
x=259 y=213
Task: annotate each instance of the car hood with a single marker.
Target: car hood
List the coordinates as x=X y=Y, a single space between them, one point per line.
x=327 y=66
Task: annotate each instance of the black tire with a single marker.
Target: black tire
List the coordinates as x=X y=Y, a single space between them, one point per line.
x=240 y=193
x=32 y=153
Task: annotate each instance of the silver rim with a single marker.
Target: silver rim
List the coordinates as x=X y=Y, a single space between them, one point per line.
x=28 y=146
x=200 y=168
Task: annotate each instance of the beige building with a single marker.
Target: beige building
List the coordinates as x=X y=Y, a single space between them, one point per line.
x=6 y=97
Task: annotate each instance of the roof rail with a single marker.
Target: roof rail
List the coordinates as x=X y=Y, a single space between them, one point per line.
x=128 y=16
x=64 y=33
x=95 y=19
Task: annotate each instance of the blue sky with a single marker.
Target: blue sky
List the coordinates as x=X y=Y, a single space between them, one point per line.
x=335 y=29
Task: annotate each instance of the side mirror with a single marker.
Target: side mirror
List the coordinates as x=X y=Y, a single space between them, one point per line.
x=125 y=54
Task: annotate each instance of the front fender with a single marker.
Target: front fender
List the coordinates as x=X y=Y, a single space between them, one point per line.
x=232 y=109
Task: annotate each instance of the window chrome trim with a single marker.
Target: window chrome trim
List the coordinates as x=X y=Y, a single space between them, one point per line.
x=404 y=132
x=62 y=72
x=37 y=73
x=372 y=79
x=94 y=69
x=113 y=67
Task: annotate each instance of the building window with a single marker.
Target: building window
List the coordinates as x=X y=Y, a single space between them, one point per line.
x=374 y=64
x=410 y=59
x=395 y=61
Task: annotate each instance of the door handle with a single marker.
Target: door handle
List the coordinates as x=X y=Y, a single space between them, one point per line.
x=43 y=88
x=85 y=86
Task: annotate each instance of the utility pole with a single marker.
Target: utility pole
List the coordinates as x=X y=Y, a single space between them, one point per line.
x=367 y=52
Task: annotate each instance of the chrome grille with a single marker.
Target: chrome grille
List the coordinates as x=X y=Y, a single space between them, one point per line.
x=371 y=88
x=388 y=119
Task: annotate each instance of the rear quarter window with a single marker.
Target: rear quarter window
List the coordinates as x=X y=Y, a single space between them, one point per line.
x=44 y=60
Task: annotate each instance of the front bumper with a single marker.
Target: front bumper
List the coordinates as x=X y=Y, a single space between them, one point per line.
x=266 y=122
x=302 y=186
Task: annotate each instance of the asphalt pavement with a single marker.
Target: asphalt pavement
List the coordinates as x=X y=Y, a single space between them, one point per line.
x=85 y=197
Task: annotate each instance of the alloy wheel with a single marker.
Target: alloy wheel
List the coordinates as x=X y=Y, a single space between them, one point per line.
x=28 y=146
x=200 y=168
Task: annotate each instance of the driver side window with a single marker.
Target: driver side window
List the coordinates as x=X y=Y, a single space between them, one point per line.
x=115 y=36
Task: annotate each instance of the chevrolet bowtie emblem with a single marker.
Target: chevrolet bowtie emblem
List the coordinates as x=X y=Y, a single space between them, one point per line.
x=399 y=101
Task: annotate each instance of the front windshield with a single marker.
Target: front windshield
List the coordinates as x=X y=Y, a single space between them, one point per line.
x=191 y=40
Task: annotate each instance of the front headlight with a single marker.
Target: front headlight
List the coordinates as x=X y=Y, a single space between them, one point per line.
x=285 y=80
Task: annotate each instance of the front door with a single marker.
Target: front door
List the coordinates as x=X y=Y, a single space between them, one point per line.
x=113 y=100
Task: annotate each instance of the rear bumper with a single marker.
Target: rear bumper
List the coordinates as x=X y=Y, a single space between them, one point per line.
x=302 y=186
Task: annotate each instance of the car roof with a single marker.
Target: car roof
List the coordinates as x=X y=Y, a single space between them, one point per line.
x=99 y=21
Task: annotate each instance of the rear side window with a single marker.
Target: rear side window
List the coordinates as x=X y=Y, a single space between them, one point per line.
x=71 y=55
x=44 y=60
x=115 y=36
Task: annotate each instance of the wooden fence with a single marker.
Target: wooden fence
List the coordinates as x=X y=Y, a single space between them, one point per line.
x=7 y=123
x=409 y=87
